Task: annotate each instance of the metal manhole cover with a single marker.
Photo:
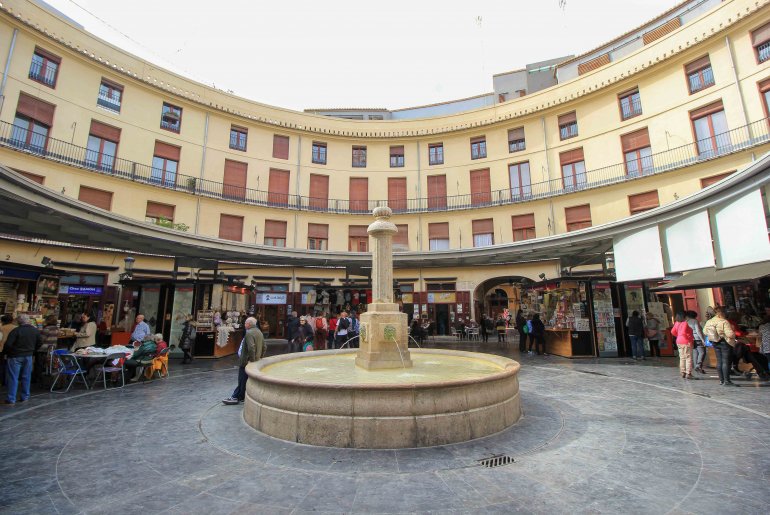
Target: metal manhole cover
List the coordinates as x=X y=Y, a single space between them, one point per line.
x=498 y=460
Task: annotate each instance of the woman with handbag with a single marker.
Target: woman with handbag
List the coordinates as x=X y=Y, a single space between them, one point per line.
x=652 y=333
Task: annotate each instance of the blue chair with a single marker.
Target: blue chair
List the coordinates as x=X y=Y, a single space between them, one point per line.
x=69 y=366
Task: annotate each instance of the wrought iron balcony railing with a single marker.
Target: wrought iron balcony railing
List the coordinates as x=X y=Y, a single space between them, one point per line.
x=738 y=139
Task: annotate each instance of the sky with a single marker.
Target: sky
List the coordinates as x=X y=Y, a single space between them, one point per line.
x=301 y=54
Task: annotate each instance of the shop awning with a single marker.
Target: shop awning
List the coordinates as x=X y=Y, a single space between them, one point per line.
x=711 y=277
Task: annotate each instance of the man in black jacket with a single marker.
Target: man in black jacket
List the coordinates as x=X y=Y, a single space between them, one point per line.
x=19 y=349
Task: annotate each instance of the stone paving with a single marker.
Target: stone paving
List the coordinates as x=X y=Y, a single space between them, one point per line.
x=597 y=436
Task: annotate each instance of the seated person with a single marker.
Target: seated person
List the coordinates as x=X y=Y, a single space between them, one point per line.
x=160 y=344
x=756 y=359
x=416 y=331
x=146 y=351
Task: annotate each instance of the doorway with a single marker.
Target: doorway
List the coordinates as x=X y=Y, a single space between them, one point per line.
x=442 y=319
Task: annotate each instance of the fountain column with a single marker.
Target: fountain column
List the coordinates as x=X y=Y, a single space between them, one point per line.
x=384 y=336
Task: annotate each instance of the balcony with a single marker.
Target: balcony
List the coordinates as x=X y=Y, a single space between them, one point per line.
x=741 y=138
x=113 y=104
x=44 y=72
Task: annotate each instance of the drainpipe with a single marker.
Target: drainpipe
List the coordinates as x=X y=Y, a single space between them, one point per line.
x=203 y=168
x=7 y=66
x=552 y=225
x=299 y=176
x=737 y=84
x=419 y=196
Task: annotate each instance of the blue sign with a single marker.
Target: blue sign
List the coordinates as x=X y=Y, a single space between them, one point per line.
x=18 y=274
x=81 y=290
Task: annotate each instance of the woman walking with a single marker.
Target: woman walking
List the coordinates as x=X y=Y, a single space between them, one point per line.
x=684 y=341
x=721 y=334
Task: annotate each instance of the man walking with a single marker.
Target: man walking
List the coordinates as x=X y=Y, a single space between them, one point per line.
x=19 y=349
x=250 y=350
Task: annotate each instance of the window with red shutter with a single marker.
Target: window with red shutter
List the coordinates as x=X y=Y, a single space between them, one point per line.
x=98 y=198
x=436 y=192
x=523 y=227
x=231 y=227
x=578 y=217
x=438 y=236
x=234 y=182
x=481 y=191
x=275 y=233
x=317 y=236
x=319 y=191
x=397 y=193
x=359 y=195
x=280 y=146
x=278 y=187
x=643 y=201
x=401 y=238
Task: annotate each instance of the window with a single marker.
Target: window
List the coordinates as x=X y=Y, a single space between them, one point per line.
x=165 y=161
x=397 y=156
x=155 y=212
x=483 y=233
x=102 y=146
x=436 y=154
x=764 y=91
x=280 y=146
x=401 y=238
x=710 y=127
x=98 y=198
x=44 y=67
x=521 y=182
x=231 y=227
x=359 y=194
x=32 y=123
x=278 y=187
x=573 y=169
x=319 y=191
x=319 y=153
x=708 y=181
x=397 y=193
x=699 y=74
x=516 y=142
x=358 y=238
x=481 y=192
x=578 y=217
x=438 y=236
x=479 y=147
x=359 y=157
x=637 y=153
x=238 y=137
x=275 y=233
x=31 y=176
x=643 y=201
x=317 y=236
x=234 y=181
x=171 y=117
x=760 y=40
x=523 y=227
x=110 y=95
x=437 y=192
x=630 y=104
x=568 y=127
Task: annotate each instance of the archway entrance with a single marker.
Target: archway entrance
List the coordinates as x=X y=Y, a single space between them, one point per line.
x=498 y=294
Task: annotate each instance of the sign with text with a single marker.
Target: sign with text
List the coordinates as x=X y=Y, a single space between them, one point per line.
x=271 y=298
x=81 y=290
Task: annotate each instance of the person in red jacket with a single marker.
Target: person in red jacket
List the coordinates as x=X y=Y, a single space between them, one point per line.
x=684 y=342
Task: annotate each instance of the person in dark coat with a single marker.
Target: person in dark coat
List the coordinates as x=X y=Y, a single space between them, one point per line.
x=635 y=327
x=292 y=330
x=538 y=334
x=187 y=340
x=251 y=350
x=520 y=324
x=19 y=349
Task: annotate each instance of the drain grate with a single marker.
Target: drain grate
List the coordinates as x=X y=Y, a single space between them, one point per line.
x=496 y=461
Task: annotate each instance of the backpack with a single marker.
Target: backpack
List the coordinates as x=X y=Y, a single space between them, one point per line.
x=355 y=325
x=319 y=323
x=343 y=323
x=528 y=327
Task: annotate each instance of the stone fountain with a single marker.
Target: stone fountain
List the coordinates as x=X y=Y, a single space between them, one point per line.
x=382 y=395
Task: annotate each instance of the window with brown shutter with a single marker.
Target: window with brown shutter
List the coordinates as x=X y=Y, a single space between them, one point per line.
x=36 y=109
x=516 y=141
x=234 y=182
x=635 y=140
x=478 y=147
x=438 y=236
x=481 y=191
x=397 y=156
x=275 y=233
x=661 y=30
x=699 y=74
x=573 y=168
x=102 y=130
x=319 y=191
x=44 y=67
x=155 y=211
x=708 y=181
x=401 y=238
x=760 y=40
x=643 y=201
x=397 y=193
x=98 y=198
x=523 y=227
x=437 y=192
x=166 y=151
x=630 y=104
x=593 y=64
x=317 y=236
x=359 y=194
x=358 y=238
x=578 y=217
x=568 y=127
x=31 y=176
x=483 y=232
x=637 y=152
x=280 y=147
x=231 y=227
x=278 y=187
x=436 y=154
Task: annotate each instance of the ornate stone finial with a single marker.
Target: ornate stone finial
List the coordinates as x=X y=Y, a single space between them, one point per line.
x=382 y=212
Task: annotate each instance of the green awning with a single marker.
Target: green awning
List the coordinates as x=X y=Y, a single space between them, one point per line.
x=711 y=277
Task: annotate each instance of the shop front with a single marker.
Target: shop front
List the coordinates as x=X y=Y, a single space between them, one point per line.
x=271 y=301
x=441 y=310
x=29 y=289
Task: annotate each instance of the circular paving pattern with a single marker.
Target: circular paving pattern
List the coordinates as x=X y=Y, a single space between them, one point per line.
x=603 y=437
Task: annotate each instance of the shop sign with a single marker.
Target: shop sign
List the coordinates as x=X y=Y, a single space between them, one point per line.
x=443 y=297
x=80 y=290
x=407 y=298
x=18 y=274
x=271 y=298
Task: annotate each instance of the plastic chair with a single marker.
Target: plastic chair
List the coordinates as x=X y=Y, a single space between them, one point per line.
x=107 y=366
x=158 y=364
x=454 y=332
x=68 y=366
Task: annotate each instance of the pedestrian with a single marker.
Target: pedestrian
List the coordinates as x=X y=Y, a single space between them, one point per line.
x=6 y=326
x=321 y=332
x=684 y=342
x=538 y=334
x=699 y=341
x=187 y=339
x=500 y=328
x=249 y=351
x=520 y=323
x=484 y=328
x=332 y=331
x=292 y=328
x=764 y=335
x=304 y=336
x=722 y=337
x=635 y=327
x=652 y=332
x=21 y=345
x=341 y=335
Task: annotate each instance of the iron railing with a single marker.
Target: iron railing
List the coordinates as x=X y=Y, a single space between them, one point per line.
x=738 y=139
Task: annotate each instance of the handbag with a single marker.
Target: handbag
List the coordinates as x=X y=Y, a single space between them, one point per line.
x=650 y=333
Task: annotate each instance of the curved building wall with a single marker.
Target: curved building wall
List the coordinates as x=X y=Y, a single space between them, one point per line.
x=657 y=70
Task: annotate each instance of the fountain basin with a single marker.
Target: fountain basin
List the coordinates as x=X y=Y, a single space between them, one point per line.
x=322 y=398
